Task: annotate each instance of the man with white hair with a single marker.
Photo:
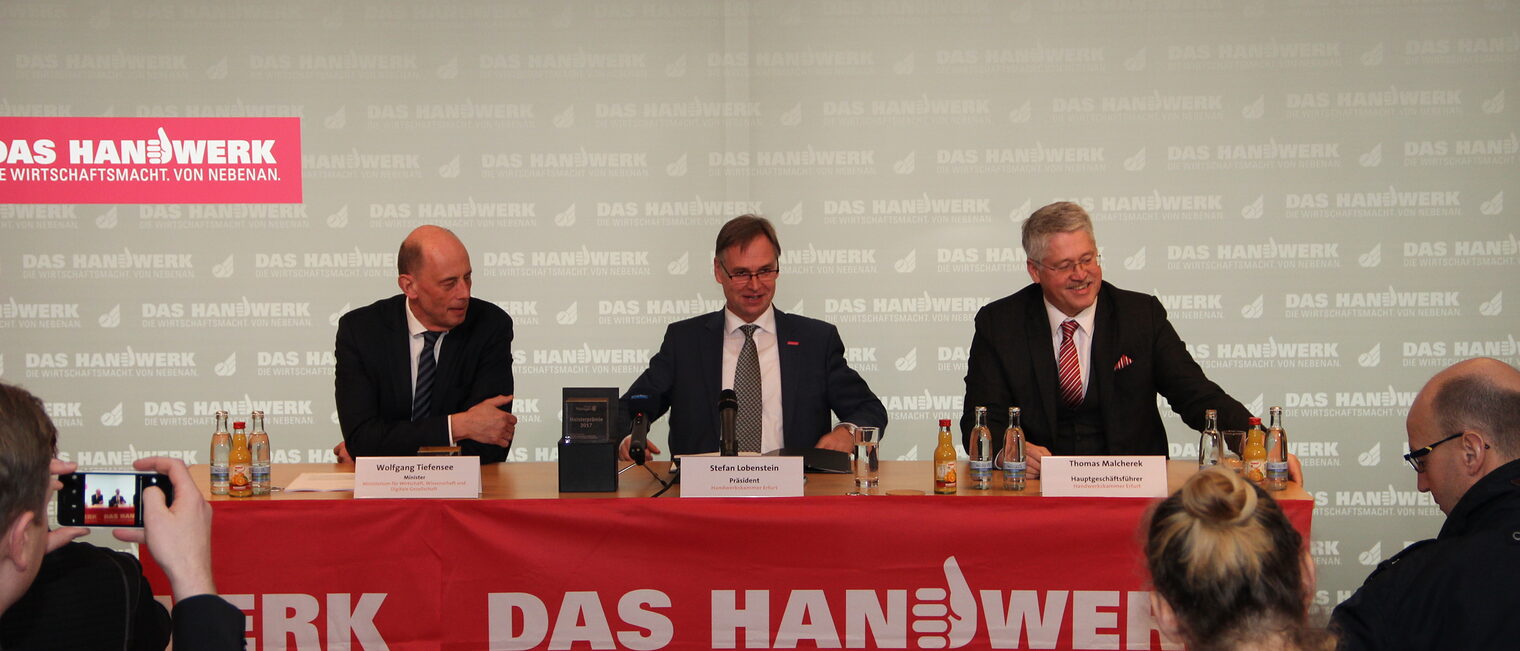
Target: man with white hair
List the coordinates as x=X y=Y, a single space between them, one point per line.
x=1082 y=359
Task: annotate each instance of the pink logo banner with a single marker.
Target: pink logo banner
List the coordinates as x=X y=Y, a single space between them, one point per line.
x=150 y=160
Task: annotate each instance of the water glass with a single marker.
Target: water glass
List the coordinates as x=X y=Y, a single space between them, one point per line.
x=867 y=463
x=1234 y=441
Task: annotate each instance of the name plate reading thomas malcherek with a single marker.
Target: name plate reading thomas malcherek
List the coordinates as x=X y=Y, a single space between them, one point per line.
x=407 y=477
x=1103 y=476
x=745 y=476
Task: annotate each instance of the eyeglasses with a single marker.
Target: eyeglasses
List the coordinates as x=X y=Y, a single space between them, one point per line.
x=1416 y=458
x=1090 y=260
x=762 y=274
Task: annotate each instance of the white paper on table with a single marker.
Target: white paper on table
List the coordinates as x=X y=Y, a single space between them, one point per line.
x=321 y=482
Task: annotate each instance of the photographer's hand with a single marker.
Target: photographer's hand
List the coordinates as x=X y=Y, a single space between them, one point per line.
x=180 y=535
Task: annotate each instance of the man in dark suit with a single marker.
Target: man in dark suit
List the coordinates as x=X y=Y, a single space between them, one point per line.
x=430 y=366
x=1456 y=591
x=1082 y=359
x=788 y=370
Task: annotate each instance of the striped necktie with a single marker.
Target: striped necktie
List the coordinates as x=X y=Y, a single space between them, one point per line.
x=422 y=399
x=1071 y=367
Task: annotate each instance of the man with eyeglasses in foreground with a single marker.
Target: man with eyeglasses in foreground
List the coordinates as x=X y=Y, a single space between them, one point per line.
x=788 y=370
x=1458 y=590
x=1082 y=359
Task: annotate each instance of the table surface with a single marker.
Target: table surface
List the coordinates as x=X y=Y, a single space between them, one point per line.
x=540 y=480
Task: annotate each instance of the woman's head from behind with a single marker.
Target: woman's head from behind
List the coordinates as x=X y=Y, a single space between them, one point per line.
x=1226 y=564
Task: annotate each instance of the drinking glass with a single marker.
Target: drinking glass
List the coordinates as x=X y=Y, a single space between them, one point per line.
x=867 y=464
x=1233 y=441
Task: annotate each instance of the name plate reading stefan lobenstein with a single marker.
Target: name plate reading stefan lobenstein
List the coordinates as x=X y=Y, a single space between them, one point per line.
x=590 y=414
x=749 y=476
x=406 y=477
x=1104 y=476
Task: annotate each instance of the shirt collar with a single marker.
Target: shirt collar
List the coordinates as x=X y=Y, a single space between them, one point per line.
x=767 y=321
x=1084 y=319
x=413 y=326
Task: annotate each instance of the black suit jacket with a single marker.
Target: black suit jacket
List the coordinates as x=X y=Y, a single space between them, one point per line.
x=207 y=622
x=685 y=379
x=374 y=378
x=88 y=597
x=1012 y=364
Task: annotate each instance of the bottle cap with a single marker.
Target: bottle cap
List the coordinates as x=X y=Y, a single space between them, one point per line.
x=239 y=425
x=1254 y=421
x=944 y=422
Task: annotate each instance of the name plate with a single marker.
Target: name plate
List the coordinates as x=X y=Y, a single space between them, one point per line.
x=752 y=476
x=407 y=477
x=1103 y=476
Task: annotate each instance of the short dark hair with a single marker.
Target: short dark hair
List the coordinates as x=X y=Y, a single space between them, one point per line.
x=408 y=258
x=27 y=441
x=1477 y=402
x=741 y=230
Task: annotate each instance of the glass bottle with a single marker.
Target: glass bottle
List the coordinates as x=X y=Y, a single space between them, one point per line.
x=1209 y=442
x=944 y=461
x=981 y=452
x=1277 y=453
x=221 y=446
x=1254 y=452
x=258 y=447
x=1011 y=458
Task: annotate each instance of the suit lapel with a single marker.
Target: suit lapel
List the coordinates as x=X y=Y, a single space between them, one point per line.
x=1104 y=354
x=1043 y=356
x=398 y=355
x=790 y=358
x=710 y=356
x=450 y=358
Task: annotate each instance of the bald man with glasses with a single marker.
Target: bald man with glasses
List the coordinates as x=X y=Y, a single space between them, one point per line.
x=1459 y=589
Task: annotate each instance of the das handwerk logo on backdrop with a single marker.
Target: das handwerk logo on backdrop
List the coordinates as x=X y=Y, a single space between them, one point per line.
x=150 y=160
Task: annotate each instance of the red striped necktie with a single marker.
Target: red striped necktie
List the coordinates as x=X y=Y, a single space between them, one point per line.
x=1071 y=367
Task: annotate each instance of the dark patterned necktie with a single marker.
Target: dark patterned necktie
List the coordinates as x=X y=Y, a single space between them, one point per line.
x=422 y=399
x=747 y=388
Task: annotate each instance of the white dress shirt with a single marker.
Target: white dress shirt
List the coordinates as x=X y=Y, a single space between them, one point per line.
x=415 y=329
x=771 y=437
x=1082 y=338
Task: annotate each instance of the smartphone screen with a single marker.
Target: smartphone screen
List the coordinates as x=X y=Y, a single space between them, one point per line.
x=106 y=499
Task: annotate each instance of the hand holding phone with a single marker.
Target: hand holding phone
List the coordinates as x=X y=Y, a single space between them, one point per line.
x=179 y=535
x=106 y=499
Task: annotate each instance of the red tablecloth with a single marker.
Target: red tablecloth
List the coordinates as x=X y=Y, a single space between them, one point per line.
x=843 y=572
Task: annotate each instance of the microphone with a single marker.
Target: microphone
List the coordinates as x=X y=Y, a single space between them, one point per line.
x=639 y=436
x=728 y=410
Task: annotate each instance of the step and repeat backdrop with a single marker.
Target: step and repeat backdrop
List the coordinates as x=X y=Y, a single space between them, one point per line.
x=1316 y=191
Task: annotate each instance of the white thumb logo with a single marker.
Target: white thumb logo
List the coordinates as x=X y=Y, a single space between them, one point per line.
x=160 y=151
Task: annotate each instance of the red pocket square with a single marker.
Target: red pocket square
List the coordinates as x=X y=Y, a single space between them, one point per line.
x=1124 y=361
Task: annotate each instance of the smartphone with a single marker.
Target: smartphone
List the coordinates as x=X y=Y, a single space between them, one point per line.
x=107 y=499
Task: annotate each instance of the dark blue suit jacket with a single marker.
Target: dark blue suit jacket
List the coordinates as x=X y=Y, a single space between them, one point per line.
x=684 y=379
x=1012 y=364
x=374 y=378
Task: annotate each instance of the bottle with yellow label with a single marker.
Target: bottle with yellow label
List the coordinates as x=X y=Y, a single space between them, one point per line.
x=944 y=461
x=1254 y=453
x=240 y=463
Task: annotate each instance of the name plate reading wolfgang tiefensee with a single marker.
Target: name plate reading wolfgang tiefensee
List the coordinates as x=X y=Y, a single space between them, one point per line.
x=1103 y=476
x=746 y=476
x=434 y=477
